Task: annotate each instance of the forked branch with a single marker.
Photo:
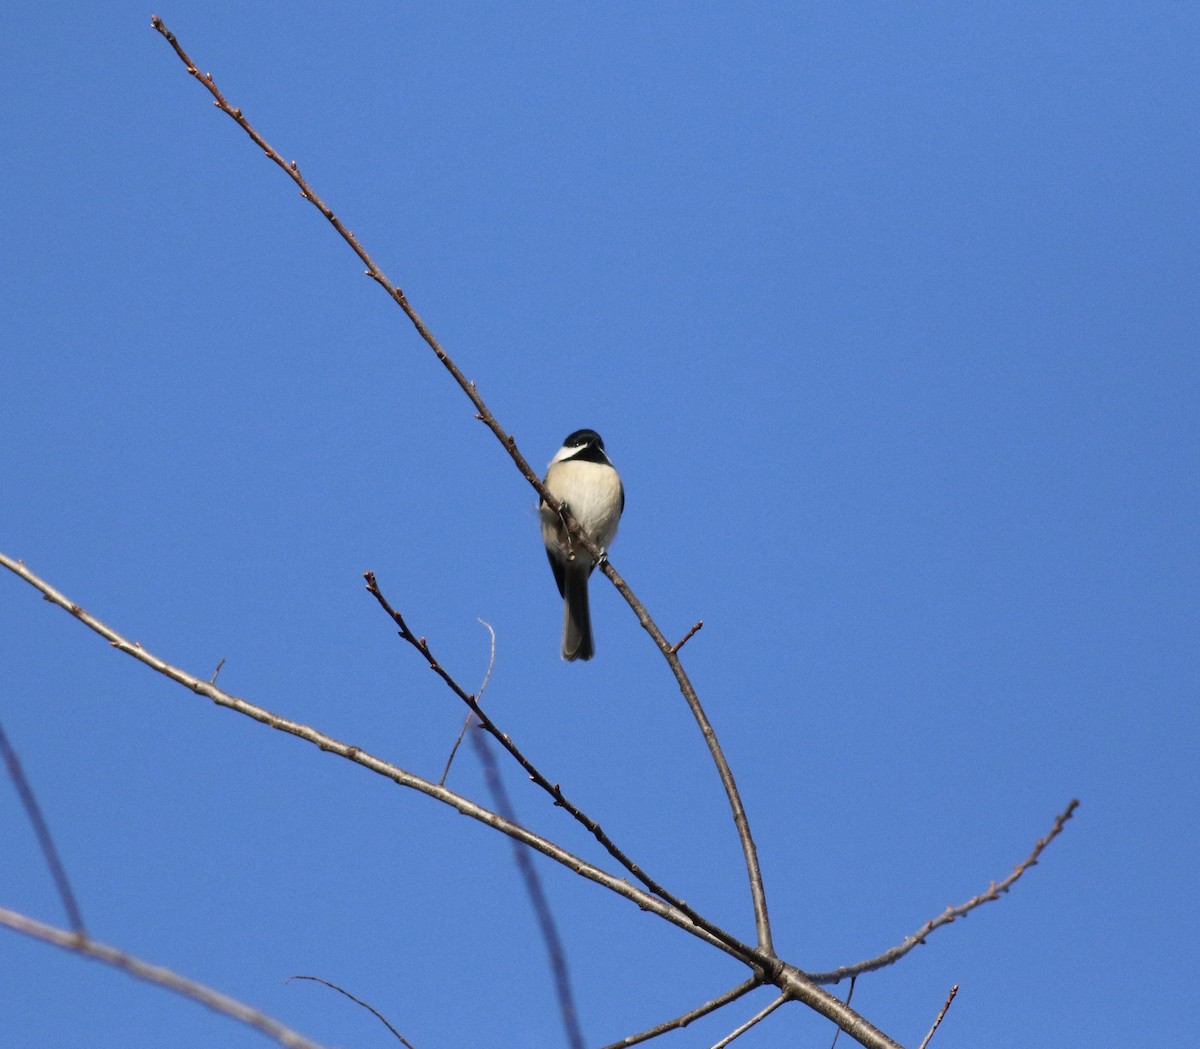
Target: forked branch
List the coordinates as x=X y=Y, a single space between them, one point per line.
x=483 y=413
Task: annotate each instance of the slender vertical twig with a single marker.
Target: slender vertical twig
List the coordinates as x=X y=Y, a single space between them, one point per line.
x=537 y=896
x=42 y=830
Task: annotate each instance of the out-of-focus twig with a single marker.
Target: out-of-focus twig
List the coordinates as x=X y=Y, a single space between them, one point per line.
x=537 y=896
x=156 y=974
x=42 y=830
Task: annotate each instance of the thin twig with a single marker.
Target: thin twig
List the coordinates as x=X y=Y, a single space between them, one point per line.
x=555 y=791
x=484 y=415
x=357 y=1001
x=756 y=1018
x=213 y=680
x=950 y=914
x=470 y=716
x=157 y=974
x=42 y=830
x=688 y=636
x=691 y=1015
x=940 y=1016
x=849 y=994
x=537 y=896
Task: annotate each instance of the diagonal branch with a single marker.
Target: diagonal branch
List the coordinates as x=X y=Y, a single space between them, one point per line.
x=553 y=789
x=484 y=415
x=156 y=974
x=950 y=914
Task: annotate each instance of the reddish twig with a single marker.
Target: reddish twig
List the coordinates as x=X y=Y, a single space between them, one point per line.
x=688 y=636
x=357 y=1001
x=484 y=415
x=950 y=914
x=42 y=830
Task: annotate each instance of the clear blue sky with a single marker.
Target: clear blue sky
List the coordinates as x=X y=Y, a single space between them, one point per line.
x=888 y=314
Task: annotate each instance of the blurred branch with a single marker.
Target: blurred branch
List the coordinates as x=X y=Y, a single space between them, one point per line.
x=292 y=170
x=156 y=974
x=537 y=897
x=950 y=914
x=42 y=830
x=357 y=1001
x=693 y=1014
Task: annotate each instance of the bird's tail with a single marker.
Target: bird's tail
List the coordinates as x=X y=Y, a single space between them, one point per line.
x=577 y=620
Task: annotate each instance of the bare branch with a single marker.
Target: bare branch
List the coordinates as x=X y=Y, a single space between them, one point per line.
x=484 y=415
x=691 y=1015
x=555 y=791
x=940 y=1016
x=42 y=830
x=950 y=914
x=357 y=1001
x=383 y=768
x=756 y=1018
x=157 y=974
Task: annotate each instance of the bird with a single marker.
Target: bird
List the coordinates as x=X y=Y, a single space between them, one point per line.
x=583 y=477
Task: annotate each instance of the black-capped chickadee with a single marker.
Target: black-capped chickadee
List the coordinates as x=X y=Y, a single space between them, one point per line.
x=581 y=475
